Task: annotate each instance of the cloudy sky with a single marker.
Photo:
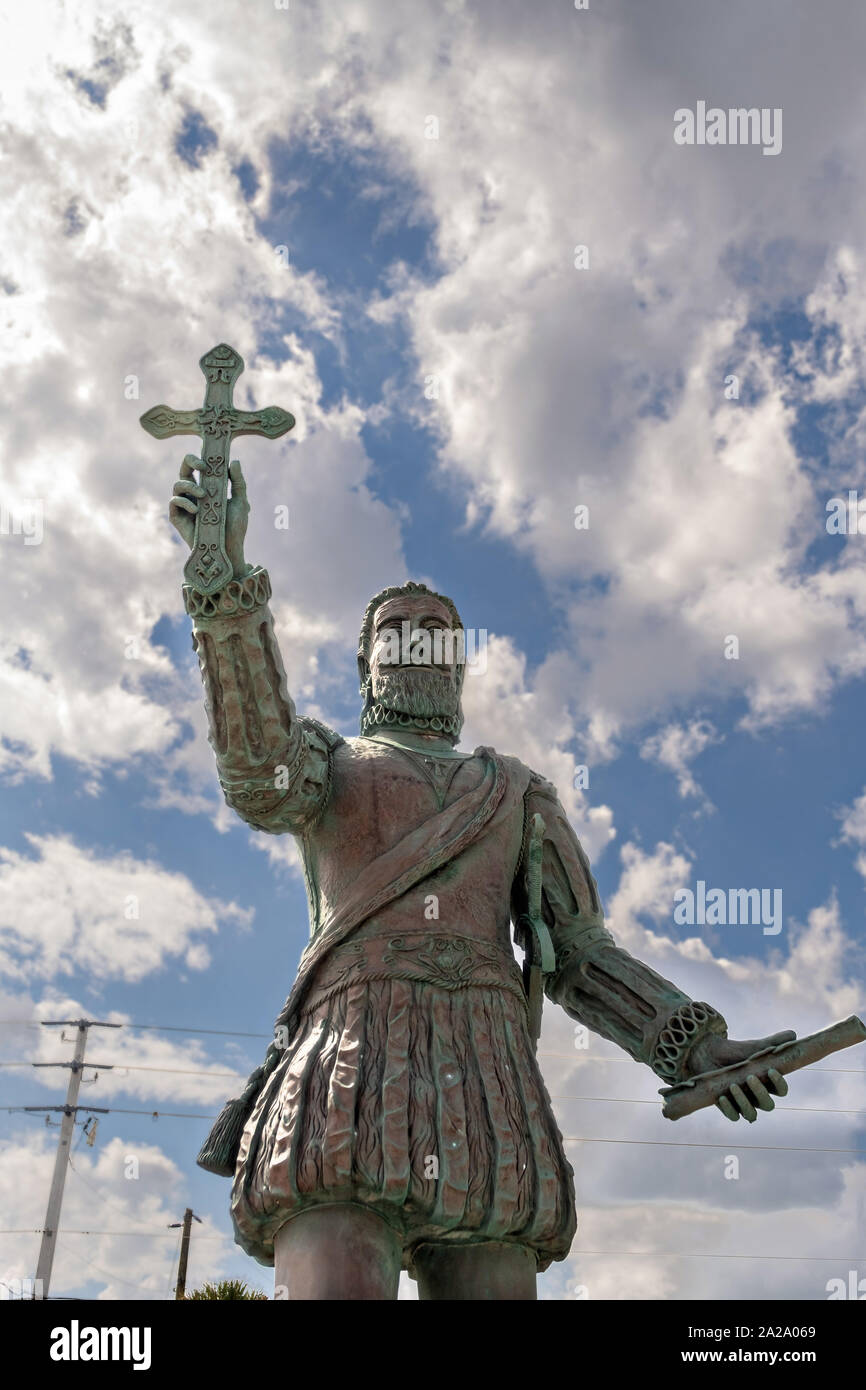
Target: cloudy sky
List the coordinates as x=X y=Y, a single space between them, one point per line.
x=461 y=244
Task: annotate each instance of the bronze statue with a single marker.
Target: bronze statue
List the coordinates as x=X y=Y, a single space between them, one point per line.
x=400 y=1119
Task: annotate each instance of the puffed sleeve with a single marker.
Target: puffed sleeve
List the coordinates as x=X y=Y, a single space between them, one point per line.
x=595 y=981
x=274 y=766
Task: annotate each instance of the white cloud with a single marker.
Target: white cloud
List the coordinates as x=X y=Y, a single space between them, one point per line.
x=66 y=909
x=643 y=1208
x=503 y=712
x=607 y=386
x=854 y=830
x=101 y=1195
x=117 y=231
x=282 y=852
x=676 y=746
x=135 y=1062
x=805 y=984
x=549 y=375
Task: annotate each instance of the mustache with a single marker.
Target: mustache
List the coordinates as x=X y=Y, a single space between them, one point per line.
x=424 y=693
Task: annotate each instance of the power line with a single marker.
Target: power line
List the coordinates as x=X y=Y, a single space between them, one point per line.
x=620 y=1100
x=146 y=1235
x=782 y=1109
x=582 y=1139
x=656 y=1254
x=162 y=1114
x=580 y=1056
x=128 y=1066
x=568 y=1139
x=215 y=1032
x=179 y=1071
x=235 y=1076
x=615 y=1100
x=153 y=1027
x=606 y=1100
x=95 y=1190
x=693 y=1144
x=236 y=1033
x=114 y=1278
x=115 y=1110
x=711 y=1255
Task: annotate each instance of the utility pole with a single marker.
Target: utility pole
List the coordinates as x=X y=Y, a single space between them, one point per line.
x=67 y=1127
x=188 y=1217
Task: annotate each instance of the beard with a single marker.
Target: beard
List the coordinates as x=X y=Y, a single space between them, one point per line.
x=419 y=692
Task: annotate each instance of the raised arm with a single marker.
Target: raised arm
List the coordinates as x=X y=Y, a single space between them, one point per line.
x=600 y=985
x=274 y=766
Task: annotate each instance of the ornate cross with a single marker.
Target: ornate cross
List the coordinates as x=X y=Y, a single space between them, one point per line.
x=218 y=423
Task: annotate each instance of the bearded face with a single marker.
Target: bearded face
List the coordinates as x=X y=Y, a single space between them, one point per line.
x=415 y=658
x=416 y=691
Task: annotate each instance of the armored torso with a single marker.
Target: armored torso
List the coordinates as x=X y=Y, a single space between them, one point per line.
x=452 y=928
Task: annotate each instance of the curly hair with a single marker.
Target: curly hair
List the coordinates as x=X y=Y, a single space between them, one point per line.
x=397 y=591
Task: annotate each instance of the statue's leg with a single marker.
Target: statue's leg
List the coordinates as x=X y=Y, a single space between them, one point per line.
x=490 y=1270
x=342 y=1251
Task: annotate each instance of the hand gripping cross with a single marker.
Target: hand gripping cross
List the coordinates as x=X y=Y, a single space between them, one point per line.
x=217 y=423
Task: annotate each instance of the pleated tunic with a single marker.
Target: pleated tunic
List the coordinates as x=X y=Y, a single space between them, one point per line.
x=421 y=1101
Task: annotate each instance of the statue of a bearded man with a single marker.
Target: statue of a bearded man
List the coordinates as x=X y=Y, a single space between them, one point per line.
x=400 y=1119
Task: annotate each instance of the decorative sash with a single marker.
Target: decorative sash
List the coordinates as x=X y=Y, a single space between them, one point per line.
x=417 y=855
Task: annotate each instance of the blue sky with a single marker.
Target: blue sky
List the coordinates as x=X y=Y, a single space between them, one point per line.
x=163 y=176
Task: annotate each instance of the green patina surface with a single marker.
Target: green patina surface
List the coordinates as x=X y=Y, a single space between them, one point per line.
x=401 y=1092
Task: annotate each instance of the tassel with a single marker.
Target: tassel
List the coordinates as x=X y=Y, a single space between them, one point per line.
x=219 y=1152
